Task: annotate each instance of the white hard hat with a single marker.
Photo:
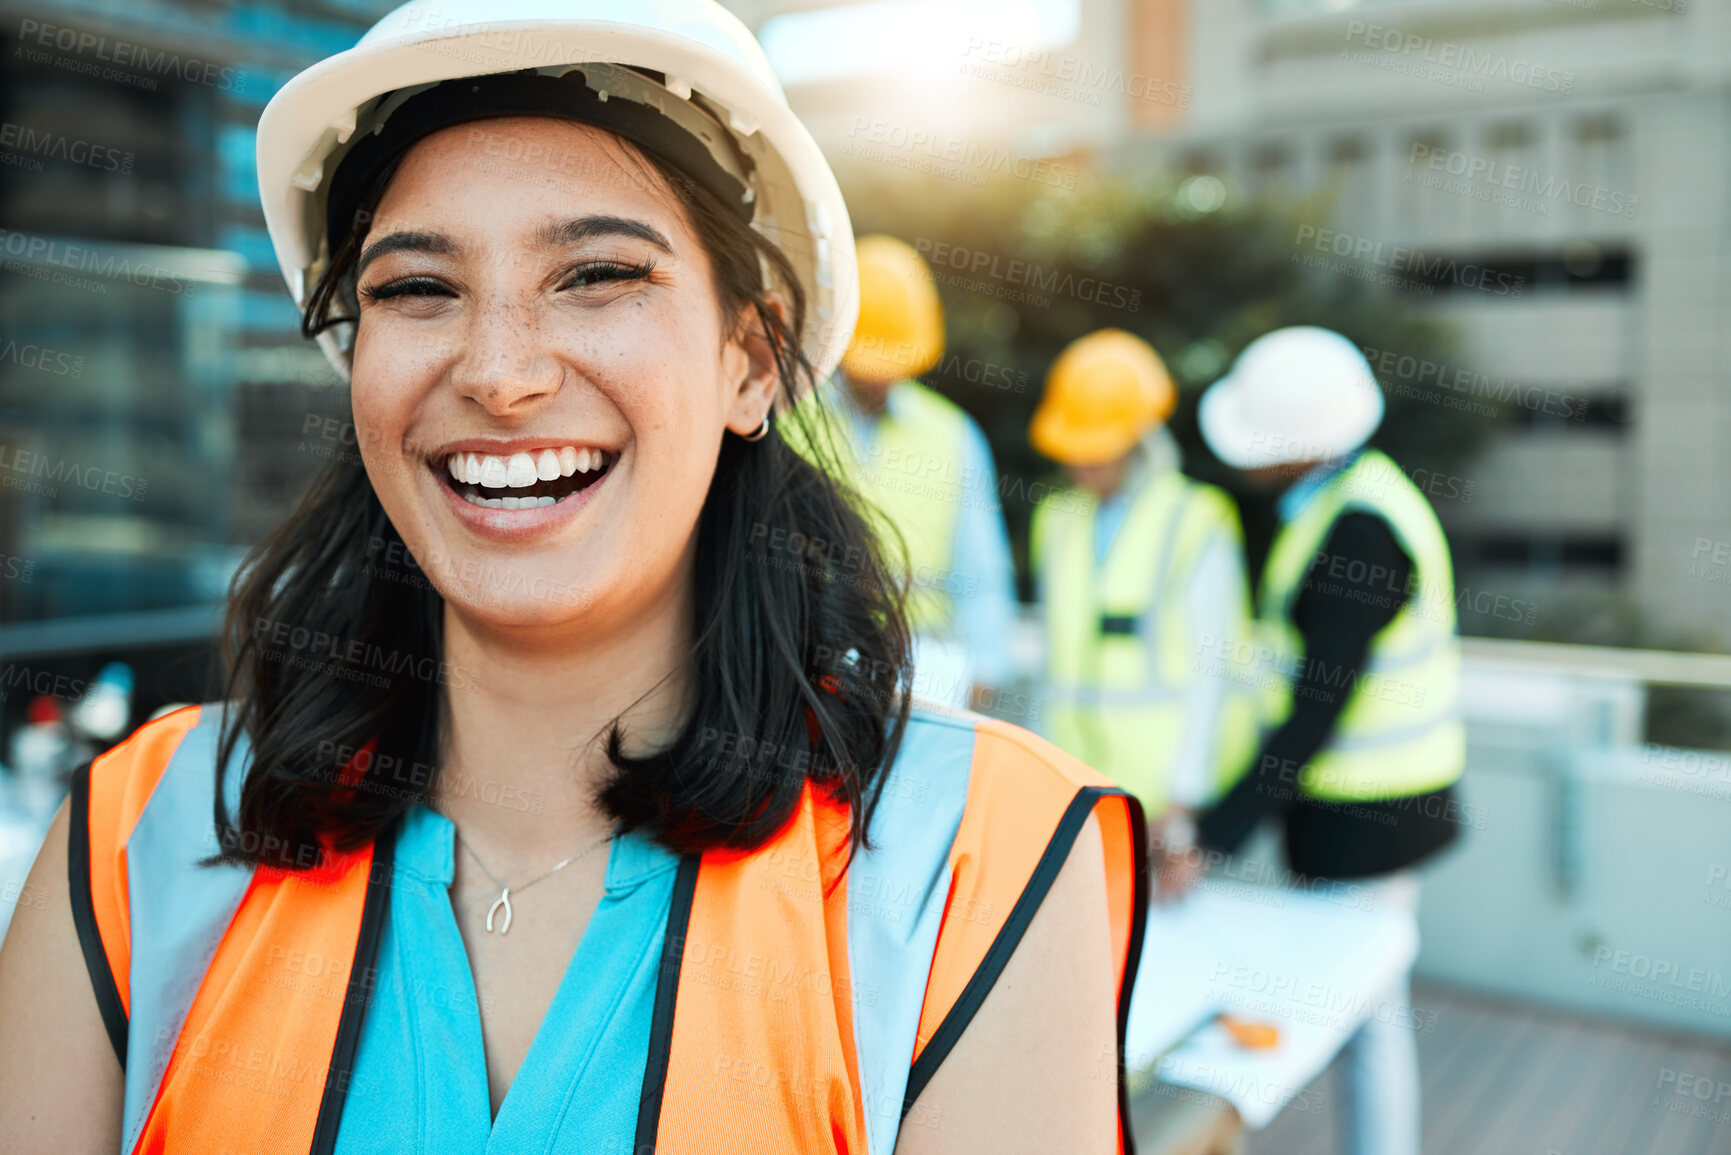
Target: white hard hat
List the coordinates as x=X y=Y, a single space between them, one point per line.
x=1297 y=394
x=716 y=89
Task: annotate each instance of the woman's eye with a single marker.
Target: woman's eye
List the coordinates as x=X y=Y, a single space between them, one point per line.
x=407 y=287
x=600 y=272
x=586 y=275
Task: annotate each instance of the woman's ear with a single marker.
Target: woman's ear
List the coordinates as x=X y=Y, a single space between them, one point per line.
x=755 y=371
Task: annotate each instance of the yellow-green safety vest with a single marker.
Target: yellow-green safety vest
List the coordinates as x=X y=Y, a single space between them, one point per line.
x=1400 y=733
x=1120 y=657
x=913 y=478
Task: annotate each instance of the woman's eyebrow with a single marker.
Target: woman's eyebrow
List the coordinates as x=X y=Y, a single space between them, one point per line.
x=571 y=232
x=557 y=235
x=405 y=242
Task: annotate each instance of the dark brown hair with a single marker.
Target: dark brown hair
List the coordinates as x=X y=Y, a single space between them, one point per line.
x=800 y=660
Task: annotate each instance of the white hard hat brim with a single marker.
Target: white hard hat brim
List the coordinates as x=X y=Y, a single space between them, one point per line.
x=798 y=204
x=1237 y=437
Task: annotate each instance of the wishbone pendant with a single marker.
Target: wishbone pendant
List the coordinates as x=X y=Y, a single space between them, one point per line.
x=504 y=900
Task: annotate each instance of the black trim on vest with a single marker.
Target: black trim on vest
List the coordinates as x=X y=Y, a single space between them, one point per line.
x=363 y=977
x=666 y=994
x=84 y=914
x=1009 y=935
x=1142 y=892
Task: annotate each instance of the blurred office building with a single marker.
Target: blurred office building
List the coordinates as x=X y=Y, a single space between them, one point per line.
x=155 y=393
x=1546 y=176
x=1550 y=177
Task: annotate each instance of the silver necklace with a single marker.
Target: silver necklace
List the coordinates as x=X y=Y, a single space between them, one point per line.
x=503 y=902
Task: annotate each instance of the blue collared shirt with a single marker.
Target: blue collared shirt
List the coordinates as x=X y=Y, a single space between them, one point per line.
x=1300 y=493
x=420 y=1076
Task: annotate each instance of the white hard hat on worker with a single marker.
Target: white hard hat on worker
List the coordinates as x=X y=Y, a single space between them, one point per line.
x=689 y=63
x=1294 y=395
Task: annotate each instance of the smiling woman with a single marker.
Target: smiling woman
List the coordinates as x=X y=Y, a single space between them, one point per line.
x=499 y=335
x=576 y=303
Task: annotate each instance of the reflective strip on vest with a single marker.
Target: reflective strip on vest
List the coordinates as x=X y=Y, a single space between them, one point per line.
x=1400 y=732
x=845 y=991
x=165 y=885
x=205 y=1005
x=892 y=907
x=1383 y=739
x=912 y=477
x=1117 y=700
x=896 y=895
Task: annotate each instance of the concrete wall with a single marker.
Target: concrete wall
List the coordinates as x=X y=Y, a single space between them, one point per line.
x=1630 y=104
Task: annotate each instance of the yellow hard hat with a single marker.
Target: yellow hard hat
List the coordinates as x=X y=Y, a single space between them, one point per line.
x=900 y=332
x=1103 y=393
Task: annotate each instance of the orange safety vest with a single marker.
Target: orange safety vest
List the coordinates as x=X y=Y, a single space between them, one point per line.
x=838 y=1002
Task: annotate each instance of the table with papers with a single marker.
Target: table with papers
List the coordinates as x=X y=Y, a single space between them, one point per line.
x=1316 y=965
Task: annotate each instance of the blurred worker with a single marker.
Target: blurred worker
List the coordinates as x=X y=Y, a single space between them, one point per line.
x=104 y=713
x=924 y=465
x=1140 y=571
x=1360 y=664
x=41 y=759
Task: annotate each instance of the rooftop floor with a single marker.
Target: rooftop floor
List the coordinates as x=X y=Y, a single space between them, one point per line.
x=1511 y=1078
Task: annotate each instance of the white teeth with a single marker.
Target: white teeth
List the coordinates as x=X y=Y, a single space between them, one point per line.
x=520 y=471
x=510 y=502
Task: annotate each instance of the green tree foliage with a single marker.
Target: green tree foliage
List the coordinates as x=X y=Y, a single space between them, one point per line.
x=1024 y=269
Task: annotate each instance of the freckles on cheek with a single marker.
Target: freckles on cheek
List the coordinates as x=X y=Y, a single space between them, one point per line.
x=402 y=346
x=674 y=417
x=389 y=379
x=659 y=385
x=378 y=412
x=394 y=366
x=383 y=422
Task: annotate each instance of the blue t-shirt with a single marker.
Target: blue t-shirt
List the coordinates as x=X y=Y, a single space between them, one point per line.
x=420 y=1076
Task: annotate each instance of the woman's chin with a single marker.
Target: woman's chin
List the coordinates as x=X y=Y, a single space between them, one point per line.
x=516 y=601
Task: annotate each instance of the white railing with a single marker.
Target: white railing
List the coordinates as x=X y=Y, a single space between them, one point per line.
x=1594 y=866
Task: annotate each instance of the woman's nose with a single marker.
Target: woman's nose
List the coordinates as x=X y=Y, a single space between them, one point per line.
x=505 y=366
